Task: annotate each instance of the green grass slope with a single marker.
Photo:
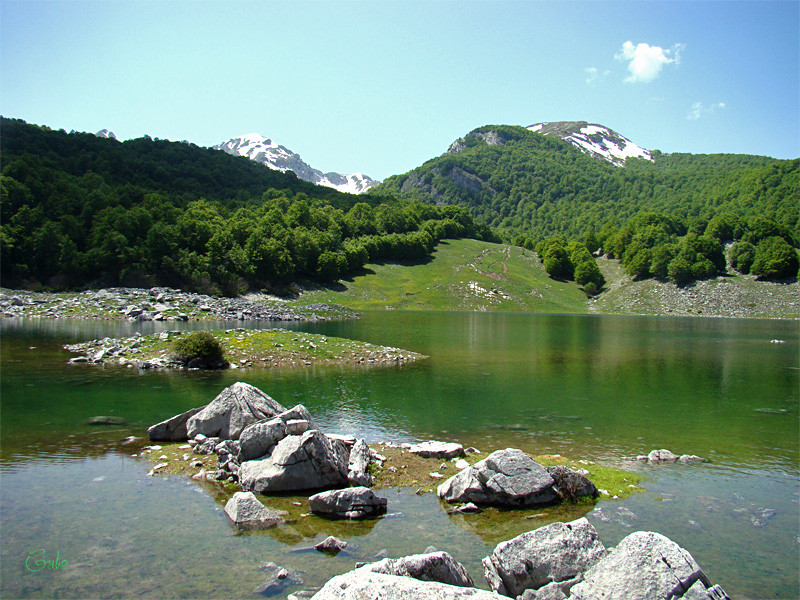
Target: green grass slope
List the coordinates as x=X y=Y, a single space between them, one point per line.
x=463 y=275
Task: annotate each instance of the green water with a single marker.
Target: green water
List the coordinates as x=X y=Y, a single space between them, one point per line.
x=585 y=387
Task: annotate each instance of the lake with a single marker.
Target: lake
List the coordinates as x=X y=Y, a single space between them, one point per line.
x=590 y=387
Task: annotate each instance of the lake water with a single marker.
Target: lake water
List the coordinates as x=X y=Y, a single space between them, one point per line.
x=592 y=387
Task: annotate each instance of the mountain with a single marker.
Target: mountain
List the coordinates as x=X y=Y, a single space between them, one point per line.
x=260 y=149
x=105 y=133
x=548 y=179
x=595 y=140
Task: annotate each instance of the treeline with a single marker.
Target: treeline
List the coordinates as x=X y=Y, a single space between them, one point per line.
x=66 y=225
x=521 y=182
x=655 y=245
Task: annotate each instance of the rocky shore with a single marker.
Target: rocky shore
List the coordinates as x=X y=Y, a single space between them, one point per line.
x=159 y=304
x=265 y=449
x=244 y=348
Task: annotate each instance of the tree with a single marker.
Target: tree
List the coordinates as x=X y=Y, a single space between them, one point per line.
x=775 y=259
x=742 y=255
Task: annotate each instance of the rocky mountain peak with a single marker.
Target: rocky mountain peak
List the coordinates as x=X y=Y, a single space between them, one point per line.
x=261 y=149
x=595 y=140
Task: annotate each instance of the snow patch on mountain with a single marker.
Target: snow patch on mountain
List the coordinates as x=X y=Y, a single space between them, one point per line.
x=260 y=149
x=595 y=140
x=105 y=133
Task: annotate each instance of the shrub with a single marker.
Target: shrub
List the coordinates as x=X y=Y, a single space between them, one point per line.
x=775 y=259
x=200 y=347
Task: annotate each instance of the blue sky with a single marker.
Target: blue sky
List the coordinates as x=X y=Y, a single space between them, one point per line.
x=380 y=87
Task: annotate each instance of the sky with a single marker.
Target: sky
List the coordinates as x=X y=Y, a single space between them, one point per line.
x=380 y=87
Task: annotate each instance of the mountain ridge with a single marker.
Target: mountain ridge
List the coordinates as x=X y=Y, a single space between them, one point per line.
x=263 y=150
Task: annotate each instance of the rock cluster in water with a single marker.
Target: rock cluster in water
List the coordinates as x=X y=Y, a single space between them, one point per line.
x=663 y=456
x=268 y=448
x=157 y=304
x=557 y=562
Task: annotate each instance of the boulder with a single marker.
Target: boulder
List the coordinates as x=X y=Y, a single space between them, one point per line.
x=435 y=449
x=258 y=439
x=246 y=512
x=434 y=566
x=357 y=465
x=308 y=462
x=662 y=455
x=331 y=545
x=646 y=565
x=571 y=485
x=504 y=478
x=349 y=503
x=559 y=552
x=236 y=407
x=174 y=429
x=365 y=585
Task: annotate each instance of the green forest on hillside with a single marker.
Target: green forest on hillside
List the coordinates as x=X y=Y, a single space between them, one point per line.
x=78 y=210
x=525 y=183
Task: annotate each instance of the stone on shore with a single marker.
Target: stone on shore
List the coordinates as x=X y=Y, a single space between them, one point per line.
x=257 y=439
x=646 y=565
x=433 y=449
x=174 y=429
x=504 y=478
x=236 y=407
x=357 y=465
x=432 y=566
x=310 y=461
x=349 y=503
x=557 y=553
x=246 y=512
x=571 y=485
x=365 y=585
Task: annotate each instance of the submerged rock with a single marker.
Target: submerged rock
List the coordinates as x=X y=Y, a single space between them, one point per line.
x=236 y=407
x=105 y=420
x=557 y=553
x=504 y=478
x=277 y=579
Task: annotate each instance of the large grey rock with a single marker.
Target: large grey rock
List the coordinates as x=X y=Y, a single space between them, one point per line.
x=662 y=455
x=504 y=478
x=433 y=449
x=236 y=407
x=259 y=438
x=646 y=565
x=349 y=503
x=433 y=566
x=365 y=585
x=570 y=485
x=358 y=463
x=246 y=512
x=307 y=462
x=558 y=552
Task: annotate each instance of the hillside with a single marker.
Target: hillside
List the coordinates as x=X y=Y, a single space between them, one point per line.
x=79 y=210
x=469 y=275
x=522 y=182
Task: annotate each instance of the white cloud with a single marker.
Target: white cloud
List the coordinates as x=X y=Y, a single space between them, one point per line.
x=698 y=110
x=645 y=61
x=594 y=75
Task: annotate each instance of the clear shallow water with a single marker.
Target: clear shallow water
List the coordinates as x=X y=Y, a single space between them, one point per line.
x=585 y=387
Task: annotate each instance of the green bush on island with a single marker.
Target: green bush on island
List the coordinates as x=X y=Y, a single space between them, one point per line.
x=199 y=345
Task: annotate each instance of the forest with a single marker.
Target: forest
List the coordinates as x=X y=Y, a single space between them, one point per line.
x=81 y=211
x=524 y=183
x=78 y=211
